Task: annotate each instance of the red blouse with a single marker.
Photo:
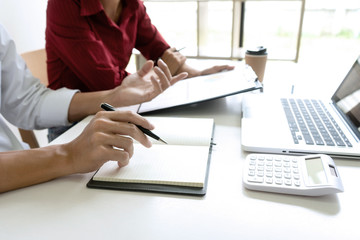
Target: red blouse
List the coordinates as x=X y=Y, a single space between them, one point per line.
x=86 y=50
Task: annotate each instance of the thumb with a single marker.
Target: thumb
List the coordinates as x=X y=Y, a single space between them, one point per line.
x=146 y=68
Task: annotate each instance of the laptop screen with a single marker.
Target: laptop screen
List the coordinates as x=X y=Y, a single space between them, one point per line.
x=347 y=97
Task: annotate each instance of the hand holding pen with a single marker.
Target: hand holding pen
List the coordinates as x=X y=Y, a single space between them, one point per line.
x=173 y=59
x=108 y=107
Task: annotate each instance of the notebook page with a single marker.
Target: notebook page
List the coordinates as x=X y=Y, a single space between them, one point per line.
x=160 y=164
x=183 y=131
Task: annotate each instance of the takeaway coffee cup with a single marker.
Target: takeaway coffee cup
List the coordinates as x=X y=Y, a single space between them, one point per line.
x=256 y=58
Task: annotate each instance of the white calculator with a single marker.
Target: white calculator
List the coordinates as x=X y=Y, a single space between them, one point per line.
x=311 y=175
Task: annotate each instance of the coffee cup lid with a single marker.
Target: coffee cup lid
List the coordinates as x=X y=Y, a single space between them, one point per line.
x=256 y=51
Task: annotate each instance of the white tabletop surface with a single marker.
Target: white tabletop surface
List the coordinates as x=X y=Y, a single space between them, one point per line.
x=66 y=209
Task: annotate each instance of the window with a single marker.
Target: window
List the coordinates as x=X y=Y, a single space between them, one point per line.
x=212 y=28
x=222 y=28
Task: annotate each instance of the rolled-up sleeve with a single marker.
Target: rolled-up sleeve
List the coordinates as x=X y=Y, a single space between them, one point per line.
x=54 y=108
x=25 y=102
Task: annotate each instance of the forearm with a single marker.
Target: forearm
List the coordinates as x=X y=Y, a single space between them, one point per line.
x=85 y=104
x=24 y=168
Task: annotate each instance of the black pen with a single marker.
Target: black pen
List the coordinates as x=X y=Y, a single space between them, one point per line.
x=108 y=107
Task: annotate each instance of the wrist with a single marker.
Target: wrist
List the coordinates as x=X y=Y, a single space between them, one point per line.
x=174 y=60
x=191 y=71
x=85 y=104
x=64 y=160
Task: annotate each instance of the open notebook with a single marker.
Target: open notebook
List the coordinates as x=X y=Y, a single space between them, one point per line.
x=181 y=166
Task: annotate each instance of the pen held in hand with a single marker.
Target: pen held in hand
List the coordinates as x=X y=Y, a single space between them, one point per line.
x=178 y=50
x=108 y=107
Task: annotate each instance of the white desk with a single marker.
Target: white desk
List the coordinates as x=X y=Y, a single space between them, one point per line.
x=65 y=209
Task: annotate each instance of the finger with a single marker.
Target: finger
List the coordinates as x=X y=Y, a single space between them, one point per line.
x=122 y=157
x=222 y=68
x=178 y=77
x=123 y=163
x=164 y=80
x=121 y=117
x=117 y=123
x=114 y=147
x=118 y=131
x=156 y=85
x=146 y=68
x=226 y=67
x=120 y=142
x=164 y=68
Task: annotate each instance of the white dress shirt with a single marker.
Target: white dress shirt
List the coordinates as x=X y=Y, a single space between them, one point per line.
x=24 y=101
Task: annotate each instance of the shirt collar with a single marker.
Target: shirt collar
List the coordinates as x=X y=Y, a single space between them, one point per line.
x=91 y=7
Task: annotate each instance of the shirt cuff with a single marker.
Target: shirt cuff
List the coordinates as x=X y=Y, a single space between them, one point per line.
x=55 y=107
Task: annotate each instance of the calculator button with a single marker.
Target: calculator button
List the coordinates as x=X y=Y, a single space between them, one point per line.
x=278 y=164
x=278 y=175
x=278 y=169
x=256 y=179
x=287 y=175
x=297 y=183
x=260 y=174
x=278 y=181
x=288 y=182
x=296 y=171
x=269 y=180
x=269 y=174
x=260 y=168
x=251 y=173
x=252 y=162
x=295 y=165
x=269 y=169
x=287 y=170
x=296 y=176
x=286 y=159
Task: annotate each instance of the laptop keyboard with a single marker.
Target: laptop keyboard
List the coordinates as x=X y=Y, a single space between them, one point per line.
x=309 y=120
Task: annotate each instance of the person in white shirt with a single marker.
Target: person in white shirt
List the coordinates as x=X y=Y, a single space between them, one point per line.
x=28 y=104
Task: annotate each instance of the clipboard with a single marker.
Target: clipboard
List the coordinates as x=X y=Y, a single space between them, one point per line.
x=204 y=88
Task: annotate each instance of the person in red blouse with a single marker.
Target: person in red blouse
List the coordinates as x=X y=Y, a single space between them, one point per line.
x=89 y=43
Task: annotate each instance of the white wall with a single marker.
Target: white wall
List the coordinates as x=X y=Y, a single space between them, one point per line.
x=25 y=20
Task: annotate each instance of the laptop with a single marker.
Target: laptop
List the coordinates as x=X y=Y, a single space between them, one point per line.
x=300 y=126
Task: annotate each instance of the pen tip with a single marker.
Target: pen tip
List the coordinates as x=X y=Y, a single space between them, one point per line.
x=162 y=141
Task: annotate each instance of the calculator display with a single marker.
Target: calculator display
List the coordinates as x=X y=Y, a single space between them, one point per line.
x=315 y=171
